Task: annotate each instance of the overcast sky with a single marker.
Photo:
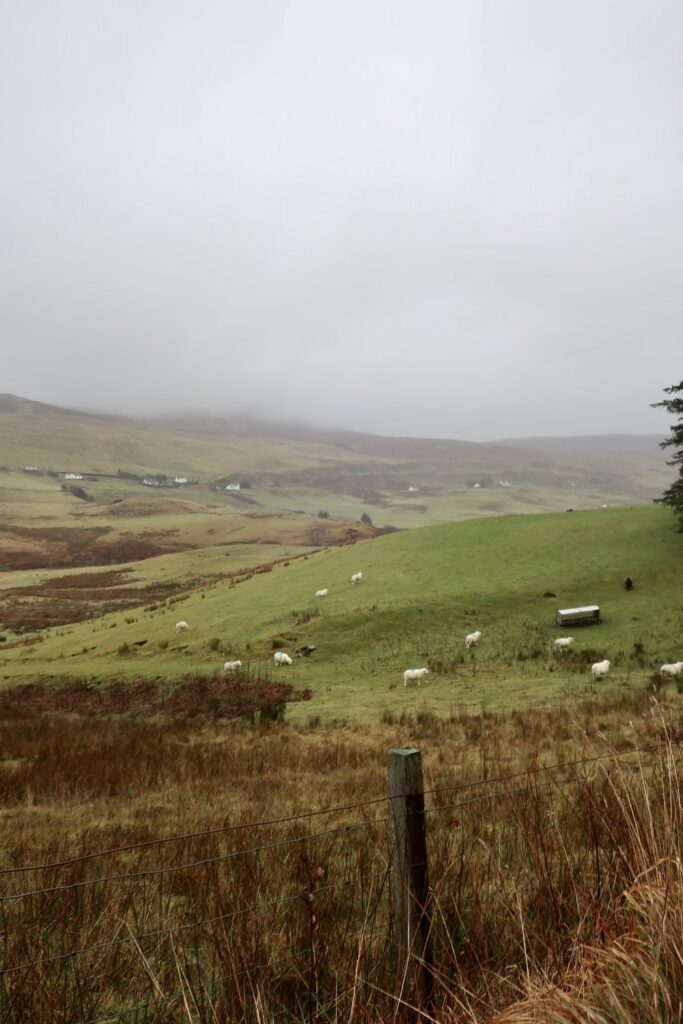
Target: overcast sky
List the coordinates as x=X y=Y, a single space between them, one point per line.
x=459 y=218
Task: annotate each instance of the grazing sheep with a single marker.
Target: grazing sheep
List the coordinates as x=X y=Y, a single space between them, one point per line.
x=600 y=669
x=281 y=658
x=357 y=577
x=321 y=593
x=675 y=669
x=472 y=639
x=415 y=673
x=180 y=627
x=563 y=643
x=232 y=666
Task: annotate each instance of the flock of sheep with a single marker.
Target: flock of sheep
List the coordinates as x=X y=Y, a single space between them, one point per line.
x=600 y=669
x=563 y=643
x=280 y=657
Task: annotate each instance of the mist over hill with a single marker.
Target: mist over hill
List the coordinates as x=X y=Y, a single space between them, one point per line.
x=292 y=466
x=612 y=446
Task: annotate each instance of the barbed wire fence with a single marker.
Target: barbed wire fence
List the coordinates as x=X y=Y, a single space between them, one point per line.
x=266 y=914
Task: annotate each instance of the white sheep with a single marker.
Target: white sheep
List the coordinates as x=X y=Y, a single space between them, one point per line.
x=600 y=669
x=415 y=673
x=232 y=666
x=180 y=627
x=357 y=577
x=321 y=593
x=472 y=639
x=675 y=669
x=281 y=658
x=563 y=643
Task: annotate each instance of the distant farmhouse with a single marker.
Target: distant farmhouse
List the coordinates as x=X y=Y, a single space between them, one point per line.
x=73 y=476
x=149 y=481
x=233 y=487
x=180 y=480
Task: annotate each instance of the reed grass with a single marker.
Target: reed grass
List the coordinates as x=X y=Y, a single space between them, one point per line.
x=553 y=891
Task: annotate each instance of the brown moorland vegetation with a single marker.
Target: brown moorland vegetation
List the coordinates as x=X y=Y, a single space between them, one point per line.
x=555 y=890
x=234 y=697
x=80 y=596
x=61 y=547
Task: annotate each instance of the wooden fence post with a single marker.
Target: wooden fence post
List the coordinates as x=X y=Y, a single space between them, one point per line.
x=410 y=878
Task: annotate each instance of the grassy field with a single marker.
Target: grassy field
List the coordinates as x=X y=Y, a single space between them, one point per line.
x=423 y=591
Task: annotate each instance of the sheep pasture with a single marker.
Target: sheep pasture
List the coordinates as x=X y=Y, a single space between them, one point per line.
x=423 y=591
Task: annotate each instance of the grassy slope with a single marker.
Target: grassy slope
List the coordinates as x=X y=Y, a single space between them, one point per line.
x=424 y=590
x=345 y=474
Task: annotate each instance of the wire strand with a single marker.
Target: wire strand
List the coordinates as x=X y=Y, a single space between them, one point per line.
x=302 y=816
x=172 y=868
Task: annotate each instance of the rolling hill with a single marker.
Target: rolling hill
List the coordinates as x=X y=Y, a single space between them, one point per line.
x=289 y=467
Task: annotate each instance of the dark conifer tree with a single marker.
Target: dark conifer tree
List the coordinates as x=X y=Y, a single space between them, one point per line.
x=673 y=496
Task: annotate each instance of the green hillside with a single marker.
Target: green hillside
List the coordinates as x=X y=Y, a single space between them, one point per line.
x=423 y=591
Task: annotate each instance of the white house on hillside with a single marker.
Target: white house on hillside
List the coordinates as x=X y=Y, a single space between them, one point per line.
x=233 y=487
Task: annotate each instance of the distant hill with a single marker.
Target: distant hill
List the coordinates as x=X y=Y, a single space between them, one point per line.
x=305 y=468
x=613 y=446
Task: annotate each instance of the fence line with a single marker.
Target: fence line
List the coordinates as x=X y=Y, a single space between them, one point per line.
x=172 y=868
x=538 y=769
x=290 y=819
x=494 y=796
x=221 y=829
x=525 y=789
x=479 y=798
x=306 y=893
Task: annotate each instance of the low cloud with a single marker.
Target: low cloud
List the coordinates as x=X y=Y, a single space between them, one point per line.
x=460 y=220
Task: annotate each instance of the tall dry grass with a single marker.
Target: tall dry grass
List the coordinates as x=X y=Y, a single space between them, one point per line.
x=549 y=888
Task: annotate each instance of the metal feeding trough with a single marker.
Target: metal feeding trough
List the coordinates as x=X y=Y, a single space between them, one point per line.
x=589 y=615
